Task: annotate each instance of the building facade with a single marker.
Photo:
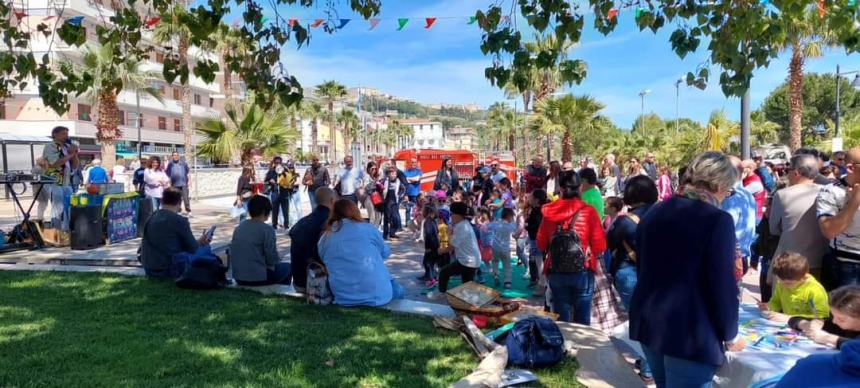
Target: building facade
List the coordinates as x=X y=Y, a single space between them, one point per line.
x=425 y=133
x=461 y=139
x=161 y=132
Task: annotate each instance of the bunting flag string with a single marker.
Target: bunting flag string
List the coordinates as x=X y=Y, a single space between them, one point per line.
x=151 y=22
x=373 y=23
x=430 y=22
x=401 y=23
x=317 y=23
x=342 y=23
x=20 y=14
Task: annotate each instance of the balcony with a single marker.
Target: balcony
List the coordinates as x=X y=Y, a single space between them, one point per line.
x=173 y=107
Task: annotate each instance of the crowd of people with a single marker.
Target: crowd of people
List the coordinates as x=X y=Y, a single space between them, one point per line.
x=673 y=247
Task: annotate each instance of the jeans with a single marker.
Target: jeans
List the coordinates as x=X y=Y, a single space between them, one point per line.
x=765 y=289
x=625 y=283
x=156 y=203
x=59 y=210
x=572 y=290
x=521 y=250
x=281 y=275
x=397 y=291
x=280 y=206
x=391 y=219
x=429 y=264
x=312 y=195
x=847 y=273
x=410 y=204
x=670 y=372
x=244 y=215
x=503 y=255
x=454 y=269
x=186 y=198
x=295 y=208
x=352 y=197
x=536 y=264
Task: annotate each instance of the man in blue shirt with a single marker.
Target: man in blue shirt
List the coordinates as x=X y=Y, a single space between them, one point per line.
x=413 y=186
x=97 y=173
x=178 y=172
x=740 y=204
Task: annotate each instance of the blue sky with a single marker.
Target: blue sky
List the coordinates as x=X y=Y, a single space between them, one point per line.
x=445 y=64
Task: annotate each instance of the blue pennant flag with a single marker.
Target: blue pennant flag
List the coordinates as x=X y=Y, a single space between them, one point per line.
x=75 y=21
x=342 y=23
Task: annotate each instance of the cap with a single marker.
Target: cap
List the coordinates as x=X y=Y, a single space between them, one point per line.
x=441 y=194
x=460 y=209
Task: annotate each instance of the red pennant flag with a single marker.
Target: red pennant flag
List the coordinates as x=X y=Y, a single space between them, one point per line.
x=821 y=9
x=613 y=13
x=20 y=14
x=317 y=23
x=292 y=22
x=430 y=22
x=152 y=21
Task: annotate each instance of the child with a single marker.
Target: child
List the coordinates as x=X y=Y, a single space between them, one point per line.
x=537 y=199
x=495 y=203
x=521 y=236
x=417 y=218
x=442 y=234
x=614 y=208
x=797 y=292
x=442 y=206
x=485 y=239
x=844 y=325
x=464 y=245
x=431 y=244
x=503 y=229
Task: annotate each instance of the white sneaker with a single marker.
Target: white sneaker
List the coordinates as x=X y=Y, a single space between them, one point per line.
x=188 y=214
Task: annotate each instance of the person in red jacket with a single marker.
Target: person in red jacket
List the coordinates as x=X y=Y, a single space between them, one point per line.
x=572 y=290
x=535 y=175
x=752 y=182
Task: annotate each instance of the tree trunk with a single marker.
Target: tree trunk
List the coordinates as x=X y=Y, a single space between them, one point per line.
x=314 y=134
x=566 y=147
x=107 y=128
x=332 y=134
x=187 y=124
x=795 y=99
x=228 y=81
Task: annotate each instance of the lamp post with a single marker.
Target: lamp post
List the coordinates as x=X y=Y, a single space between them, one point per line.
x=642 y=115
x=678 y=105
x=854 y=84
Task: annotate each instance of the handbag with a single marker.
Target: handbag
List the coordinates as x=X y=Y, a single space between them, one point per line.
x=308 y=179
x=376 y=198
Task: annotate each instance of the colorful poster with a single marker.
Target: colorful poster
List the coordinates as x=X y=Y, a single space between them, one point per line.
x=121 y=217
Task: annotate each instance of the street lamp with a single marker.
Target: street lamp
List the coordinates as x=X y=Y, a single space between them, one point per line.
x=854 y=84
x=678 y=104
x=642 y=116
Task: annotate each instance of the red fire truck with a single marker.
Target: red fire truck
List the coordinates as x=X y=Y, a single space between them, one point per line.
x=465 y=162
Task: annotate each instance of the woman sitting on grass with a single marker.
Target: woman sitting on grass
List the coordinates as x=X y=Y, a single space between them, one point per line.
x=354 y=254
x=253 y=250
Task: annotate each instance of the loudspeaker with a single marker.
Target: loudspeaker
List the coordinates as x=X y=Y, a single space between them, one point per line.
x=143 y=212
x=86 y=224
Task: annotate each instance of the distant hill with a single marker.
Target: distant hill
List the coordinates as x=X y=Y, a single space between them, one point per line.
x=449 y=116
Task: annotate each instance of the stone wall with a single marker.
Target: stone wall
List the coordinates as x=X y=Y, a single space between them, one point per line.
x=217 y=182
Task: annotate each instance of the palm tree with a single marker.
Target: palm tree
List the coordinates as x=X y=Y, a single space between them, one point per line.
x=108 y=80
x=247 y=129
x=229 y=44
x=570 y=116
x=544 y=82
x=504 y=123
x=806 y=38
x=331 y=91
x=174 y=29
x=350 y=125
x=312 y=111
x=718 y=132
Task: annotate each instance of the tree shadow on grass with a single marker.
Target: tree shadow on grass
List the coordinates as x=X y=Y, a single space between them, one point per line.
x=99 y=330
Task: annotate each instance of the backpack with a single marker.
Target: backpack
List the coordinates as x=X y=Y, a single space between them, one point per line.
x=318 y=289
x=137 y=179
x=565 y=249
x=535 y=342
x=204 y=273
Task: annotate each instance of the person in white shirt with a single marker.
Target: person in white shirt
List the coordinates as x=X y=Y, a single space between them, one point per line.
x=839 y=218
x=464 y=244
x=155 y=181
x=350 y=179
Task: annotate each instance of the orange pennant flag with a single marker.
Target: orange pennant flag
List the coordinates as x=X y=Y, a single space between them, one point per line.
x=612 y=14
x=292 y=22
x=317 y=23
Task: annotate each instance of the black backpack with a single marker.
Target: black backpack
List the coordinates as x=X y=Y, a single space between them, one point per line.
x=204 y=274
x=535 y=342
x=565 y=249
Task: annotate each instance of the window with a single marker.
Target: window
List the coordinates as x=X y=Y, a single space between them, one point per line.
x=163 y=90
x=121 y=118
x=2 y=110
x=159 y=57
x=211 y=102
x=197 y=99
x=84 y=112
x=176 y=94
x=176 y=125
x=162 y=123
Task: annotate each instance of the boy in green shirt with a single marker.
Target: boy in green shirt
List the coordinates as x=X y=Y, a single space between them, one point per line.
x=590 y=194
x=796 y=293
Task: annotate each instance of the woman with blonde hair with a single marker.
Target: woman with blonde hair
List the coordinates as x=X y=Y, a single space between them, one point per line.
x=354 y=255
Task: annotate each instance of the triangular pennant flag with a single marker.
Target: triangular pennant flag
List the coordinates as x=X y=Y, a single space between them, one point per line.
x=821 y=9
x=472 y=19
x=401 y=23
x=373 y=23
x=264 y=20
x=612 y=14
x=20 y=14
x=317 y=23
x=639 y=11
x=292 y=22
x=430 y=22
x=75 y=21
x=342 y=23
x=152 y=21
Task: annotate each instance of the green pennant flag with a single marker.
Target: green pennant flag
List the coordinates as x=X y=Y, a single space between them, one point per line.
x=639 y=12
x=472 y=20
x=401 y=23
x=264 y=20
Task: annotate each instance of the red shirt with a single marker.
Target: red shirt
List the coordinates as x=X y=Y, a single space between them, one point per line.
x=755 y=186
x=588 y=226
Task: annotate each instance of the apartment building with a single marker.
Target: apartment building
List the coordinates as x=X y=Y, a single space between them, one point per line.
x=461 y=139
x=161 y=129
x=426 y=133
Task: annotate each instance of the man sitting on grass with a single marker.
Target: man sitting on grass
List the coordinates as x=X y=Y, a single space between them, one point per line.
x=797 y=293
x=253 y=251
x=166 y=234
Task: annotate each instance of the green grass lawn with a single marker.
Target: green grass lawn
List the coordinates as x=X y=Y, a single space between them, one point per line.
x=75 y=329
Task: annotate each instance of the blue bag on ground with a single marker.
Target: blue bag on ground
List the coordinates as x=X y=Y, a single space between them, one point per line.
x=204 y=271
x=535 y=342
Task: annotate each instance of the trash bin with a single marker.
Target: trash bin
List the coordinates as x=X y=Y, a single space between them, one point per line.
x=86 y=224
